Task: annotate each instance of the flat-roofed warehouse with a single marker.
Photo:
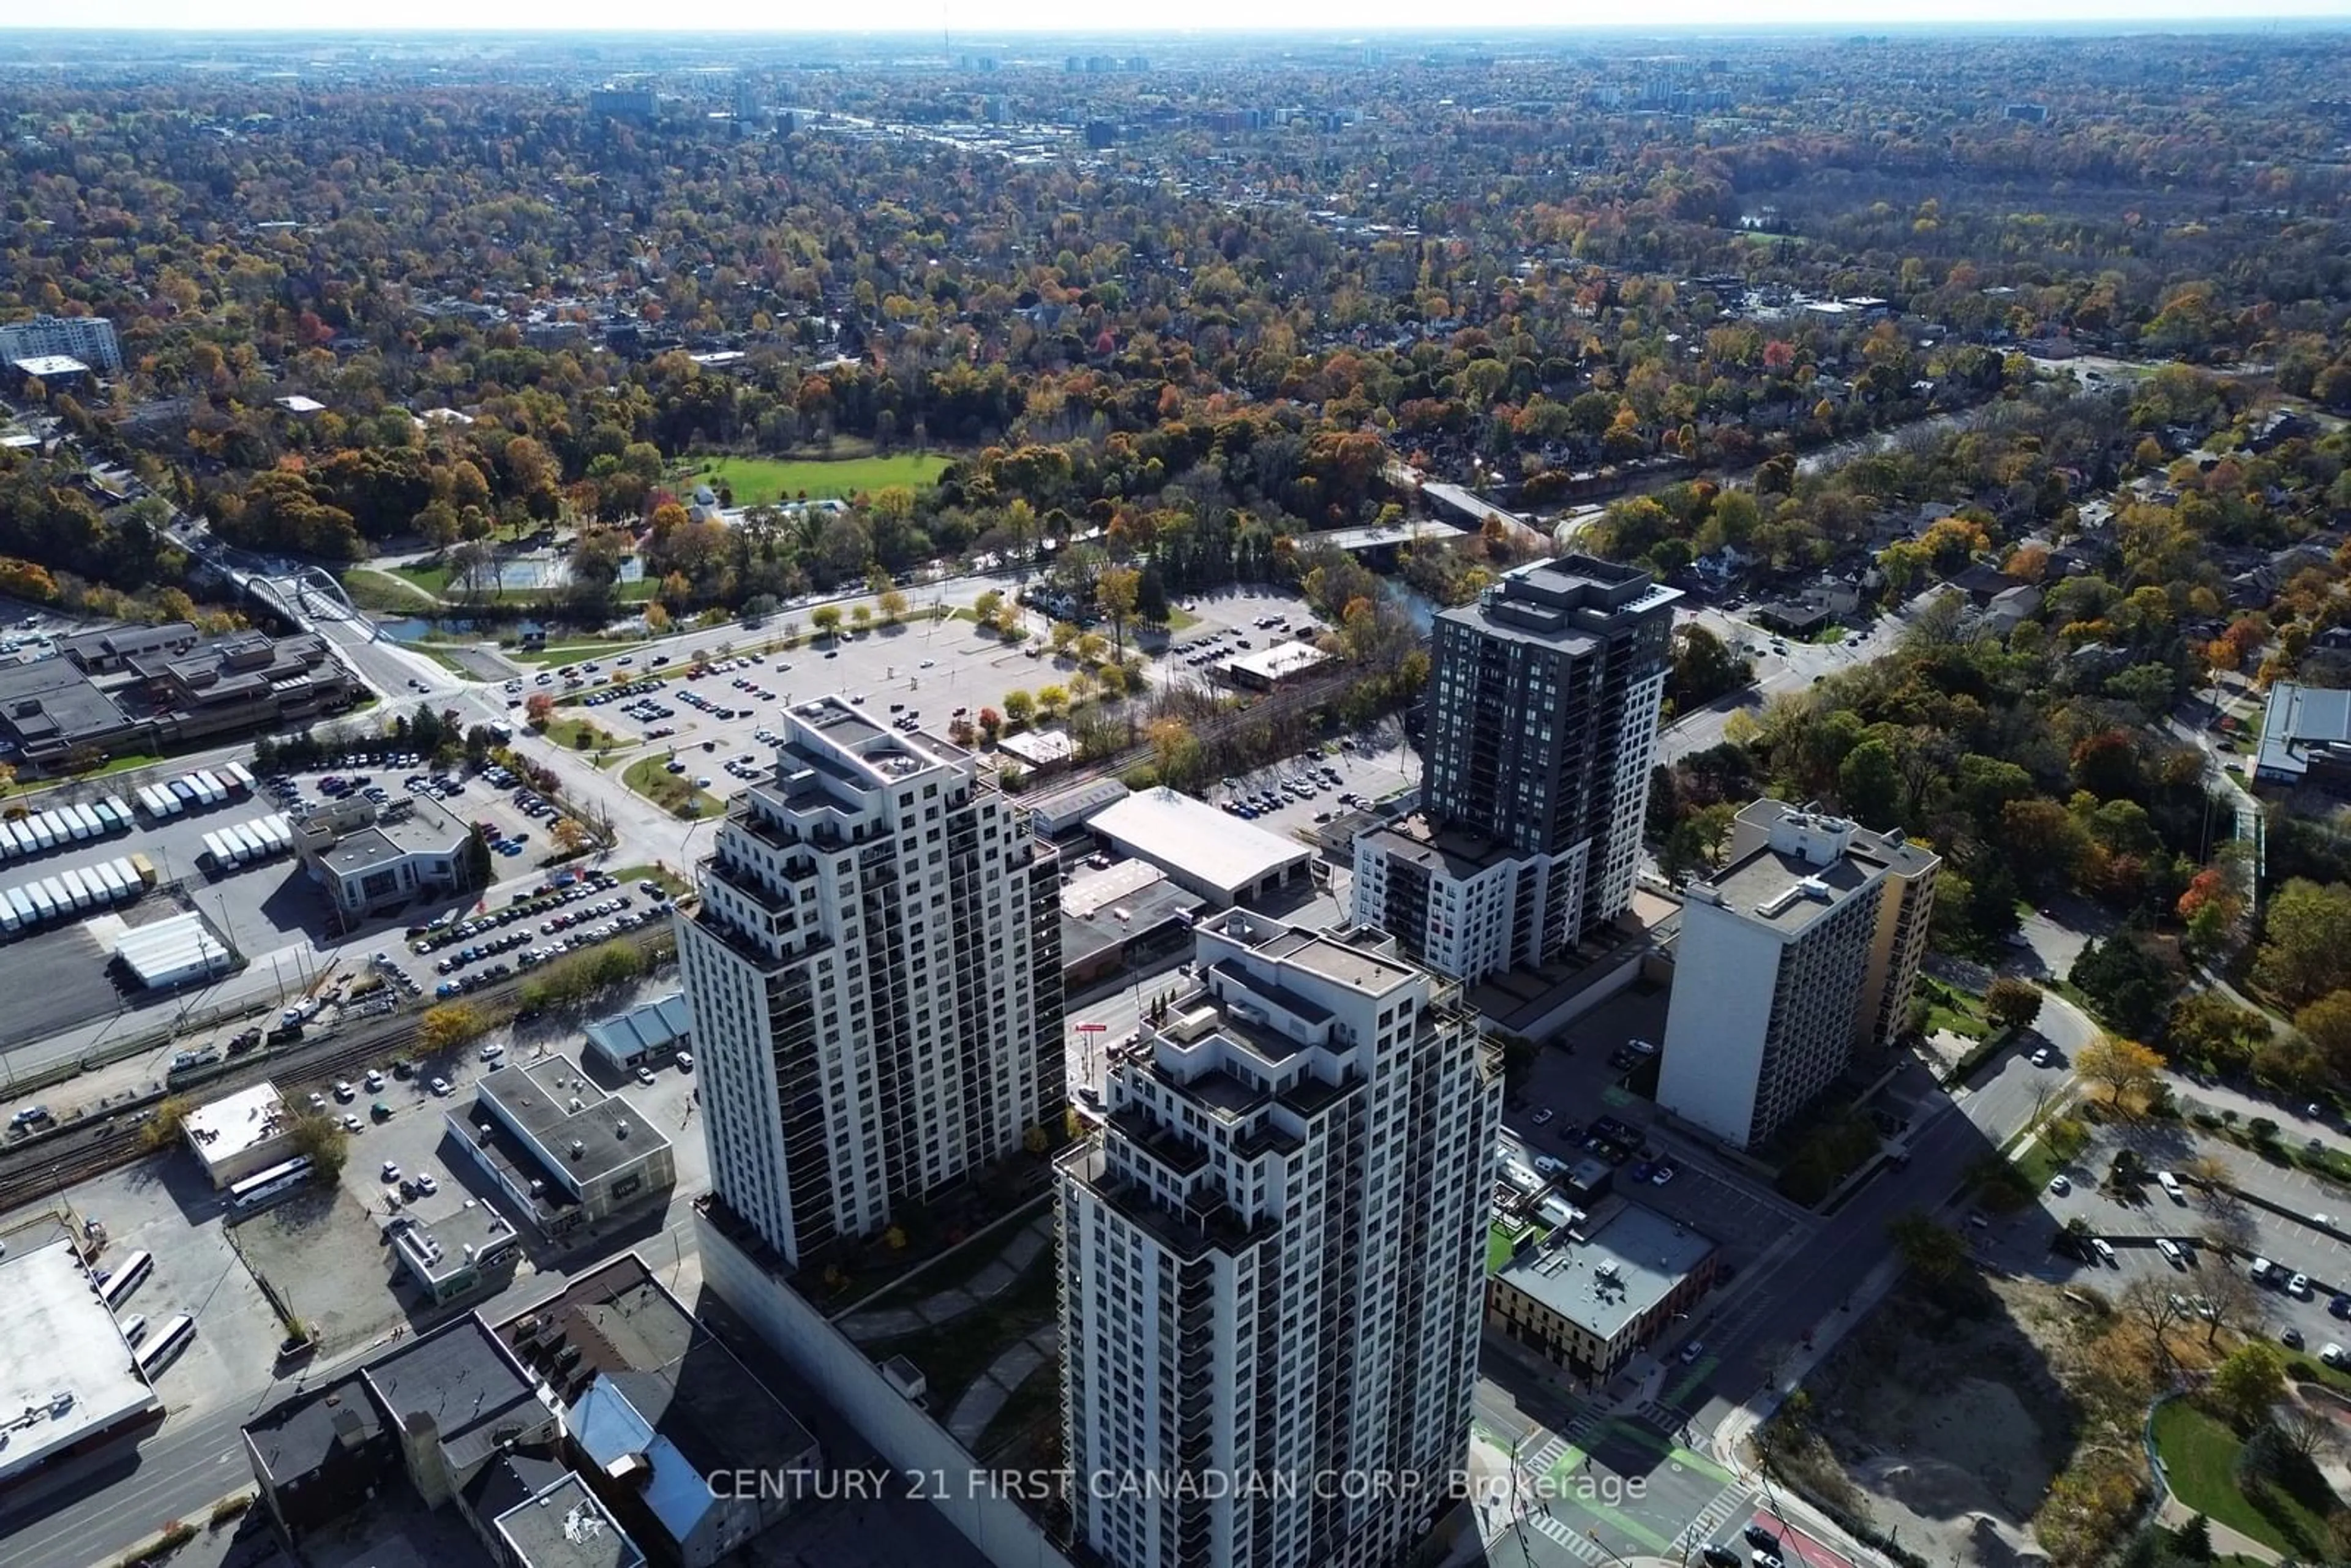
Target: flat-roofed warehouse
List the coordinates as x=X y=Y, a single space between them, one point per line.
x=66 y=1375
x=1222 y=859
x=240 y=1133
x=1110 y=918
x=1263 y=669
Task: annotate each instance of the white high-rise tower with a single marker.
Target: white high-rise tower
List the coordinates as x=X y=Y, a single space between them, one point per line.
x=1273 y=1261
x=875 y=975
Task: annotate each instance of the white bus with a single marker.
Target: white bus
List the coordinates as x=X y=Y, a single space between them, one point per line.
x=126 y=1277
x=169 y=1342
x=262 y=1188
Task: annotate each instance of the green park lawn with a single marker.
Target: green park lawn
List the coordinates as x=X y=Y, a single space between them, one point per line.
x=757 y=481
x=673 y=792
x=2200 y=1457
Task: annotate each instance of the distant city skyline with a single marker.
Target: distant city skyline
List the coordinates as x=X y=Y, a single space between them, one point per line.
x=1000 y=17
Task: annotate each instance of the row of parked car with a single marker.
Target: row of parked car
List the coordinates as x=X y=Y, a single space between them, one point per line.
x=716 y=710
x=603 y=931
x=1315 y=779
x=475 y=953
x=625 y=694
x=434 y=936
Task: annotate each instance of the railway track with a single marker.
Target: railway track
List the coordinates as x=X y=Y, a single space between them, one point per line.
x=44 y=1166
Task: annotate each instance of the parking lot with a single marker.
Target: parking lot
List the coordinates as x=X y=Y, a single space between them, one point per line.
x=167 y=1209
x=1301 y=795
x=516 y=821
x=2208 y=1231
x=922 y=669
x=1575 y=1106
x=329 y=1256
x=270 y=910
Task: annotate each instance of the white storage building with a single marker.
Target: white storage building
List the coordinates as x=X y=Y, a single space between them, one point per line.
x=172 y=952
x=1223 y=860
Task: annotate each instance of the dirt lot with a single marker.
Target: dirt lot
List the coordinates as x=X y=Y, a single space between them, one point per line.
x=325 y=1256
x=1948 y=1426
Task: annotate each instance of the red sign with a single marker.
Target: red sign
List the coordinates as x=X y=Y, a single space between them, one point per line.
x=1094 y=1029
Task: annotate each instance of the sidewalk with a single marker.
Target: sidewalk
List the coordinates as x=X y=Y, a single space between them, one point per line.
x=2226 y=1540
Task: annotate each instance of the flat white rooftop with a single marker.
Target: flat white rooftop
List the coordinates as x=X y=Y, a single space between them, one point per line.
x=1193 y=838
x=62 y=1358
x=1099 y=890
x=1279 y=661
x=228 y=1126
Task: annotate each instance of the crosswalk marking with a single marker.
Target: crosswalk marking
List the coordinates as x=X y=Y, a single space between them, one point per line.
x=1576 y=1543
x=1732 y=1498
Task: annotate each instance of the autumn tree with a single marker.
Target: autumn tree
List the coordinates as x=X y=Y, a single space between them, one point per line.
x=1175 y=748
x=2013 y=1004
x=826 y=619
x=450 y=1027
x=320 y=1139
x=2306 y=949
x=2127 y=1070
x=1020 y=708
x=2327 y=1023
x=1115 y=592
x=538 y=710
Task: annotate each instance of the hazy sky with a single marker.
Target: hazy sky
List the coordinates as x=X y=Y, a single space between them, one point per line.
x=975 y=16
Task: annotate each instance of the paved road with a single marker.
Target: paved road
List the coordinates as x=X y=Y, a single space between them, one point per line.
x=1661 y=1434
x=92 y=1513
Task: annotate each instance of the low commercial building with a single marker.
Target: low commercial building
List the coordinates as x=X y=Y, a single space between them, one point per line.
x=1050 y=816
x=402 y=855
x=453 y=1399
x=319 y=1455
x=1110 y=919
x=1589 y=1299
x=652 y=1032
x=471 y=1249
x=660 y=1416
x=566 y=1154
x=67 y=1384
x=1221 y=858
x=2305 y=738
x=563 y=1525
x=128 y=689
x=1262 y=669
x=1040 y=749
x=49 y=709
x=54 y=371
x=240 y=1133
